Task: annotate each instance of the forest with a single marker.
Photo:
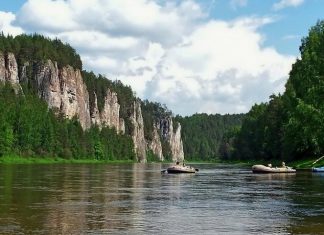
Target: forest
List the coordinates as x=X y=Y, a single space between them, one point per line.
x=53 y=135
x=203 y=135
x=290 y=126
x=29 y=128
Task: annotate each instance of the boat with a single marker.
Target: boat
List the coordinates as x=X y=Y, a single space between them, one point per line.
x=177 y=169
x=318 y=169
x=270 y=169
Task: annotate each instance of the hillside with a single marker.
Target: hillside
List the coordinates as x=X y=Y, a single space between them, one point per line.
x=204 y=135
x=51 y=107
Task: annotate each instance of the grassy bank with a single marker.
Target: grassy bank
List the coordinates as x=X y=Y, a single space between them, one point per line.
x=300 y=164
x=308 y=163
x=50 y=160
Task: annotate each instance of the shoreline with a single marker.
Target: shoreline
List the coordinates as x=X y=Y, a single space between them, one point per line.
x=15 y=159
x=12 y=160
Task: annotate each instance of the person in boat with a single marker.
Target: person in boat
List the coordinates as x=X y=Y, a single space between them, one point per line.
x=283 y=164
x=270 y=165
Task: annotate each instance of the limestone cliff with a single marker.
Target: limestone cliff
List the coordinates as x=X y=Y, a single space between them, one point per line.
x=109 y=116
x=64 y=91
x=9 y=70
x=155 y=144
x=175 y=142
x=138 y=132
x=173 y=137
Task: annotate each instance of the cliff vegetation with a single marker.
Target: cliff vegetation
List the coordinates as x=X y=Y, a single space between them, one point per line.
x=51 y=107
x=290 y=126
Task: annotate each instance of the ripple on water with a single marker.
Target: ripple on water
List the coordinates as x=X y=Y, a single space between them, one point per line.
x=138 y=199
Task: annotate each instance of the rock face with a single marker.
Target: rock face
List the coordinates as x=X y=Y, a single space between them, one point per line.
x=9 y=70
x=109 y=116
x=64 y=91
x=138 y=132
x=176 y=144
x=173 y=137
x=3 y=68
x=155 y=145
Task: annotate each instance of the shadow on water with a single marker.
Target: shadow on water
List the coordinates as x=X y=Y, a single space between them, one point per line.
x=138 y=199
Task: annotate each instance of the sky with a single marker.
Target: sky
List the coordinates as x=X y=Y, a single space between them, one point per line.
x=207 y=56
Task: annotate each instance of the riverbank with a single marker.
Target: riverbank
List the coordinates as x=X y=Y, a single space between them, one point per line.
x=54 y=160
x=299 y=164
x=14 y=159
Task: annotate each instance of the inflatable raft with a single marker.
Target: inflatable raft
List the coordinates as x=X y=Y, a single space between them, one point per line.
x=180 y=168
x=270 y=169
x=318 y=169
x=176 y=169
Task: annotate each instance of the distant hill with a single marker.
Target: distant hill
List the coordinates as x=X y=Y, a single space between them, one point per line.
x=203 y=134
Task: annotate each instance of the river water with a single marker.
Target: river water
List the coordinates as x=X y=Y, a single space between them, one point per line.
x=138 y=199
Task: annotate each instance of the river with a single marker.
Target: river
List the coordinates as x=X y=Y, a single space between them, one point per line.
x=138 y=199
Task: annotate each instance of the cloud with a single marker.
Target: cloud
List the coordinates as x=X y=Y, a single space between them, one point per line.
x=222 y=68
x=238 y=3
x=292 y=37
x=287 y=3
x=6 y=26
x=140 y=18
x=168 y=51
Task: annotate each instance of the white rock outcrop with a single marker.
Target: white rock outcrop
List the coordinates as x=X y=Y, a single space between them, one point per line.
x=64 y=91
x=138 y=132
x=9 y=70
x=155 y=144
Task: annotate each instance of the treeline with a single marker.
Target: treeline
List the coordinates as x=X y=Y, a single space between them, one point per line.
x=46 y=134
x=153 y=113
x=98 y=85
x=29 y=128
x=203 y=134
x=290 y=126
x=36 y=48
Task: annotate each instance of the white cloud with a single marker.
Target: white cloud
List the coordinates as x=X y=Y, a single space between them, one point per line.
x=292 y=37
x=168 y=51
x=287 y=3
x=223 y=68
x=140 y=18
x=238 y=3
x=6 y=26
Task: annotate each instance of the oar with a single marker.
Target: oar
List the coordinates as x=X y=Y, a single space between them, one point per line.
x=197 y=169
x=317 y=160
x=164 y=171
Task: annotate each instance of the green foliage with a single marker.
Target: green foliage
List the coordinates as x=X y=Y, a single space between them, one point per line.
x=99 y=85
x=37 y=48
x=261 y=132
x=152 y=113
x=291 y=126
x=151 y=157
x=28 y=128
x=203 y=134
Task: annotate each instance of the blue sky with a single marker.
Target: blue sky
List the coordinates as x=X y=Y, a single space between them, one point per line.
x=291 y=21
x=213 y=56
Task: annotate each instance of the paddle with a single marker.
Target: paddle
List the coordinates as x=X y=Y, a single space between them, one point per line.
x=317 y=160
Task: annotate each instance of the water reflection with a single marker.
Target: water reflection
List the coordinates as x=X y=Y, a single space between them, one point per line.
x=138 y=199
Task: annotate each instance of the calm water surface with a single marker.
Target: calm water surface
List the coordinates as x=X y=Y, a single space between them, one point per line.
x=138 y=199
